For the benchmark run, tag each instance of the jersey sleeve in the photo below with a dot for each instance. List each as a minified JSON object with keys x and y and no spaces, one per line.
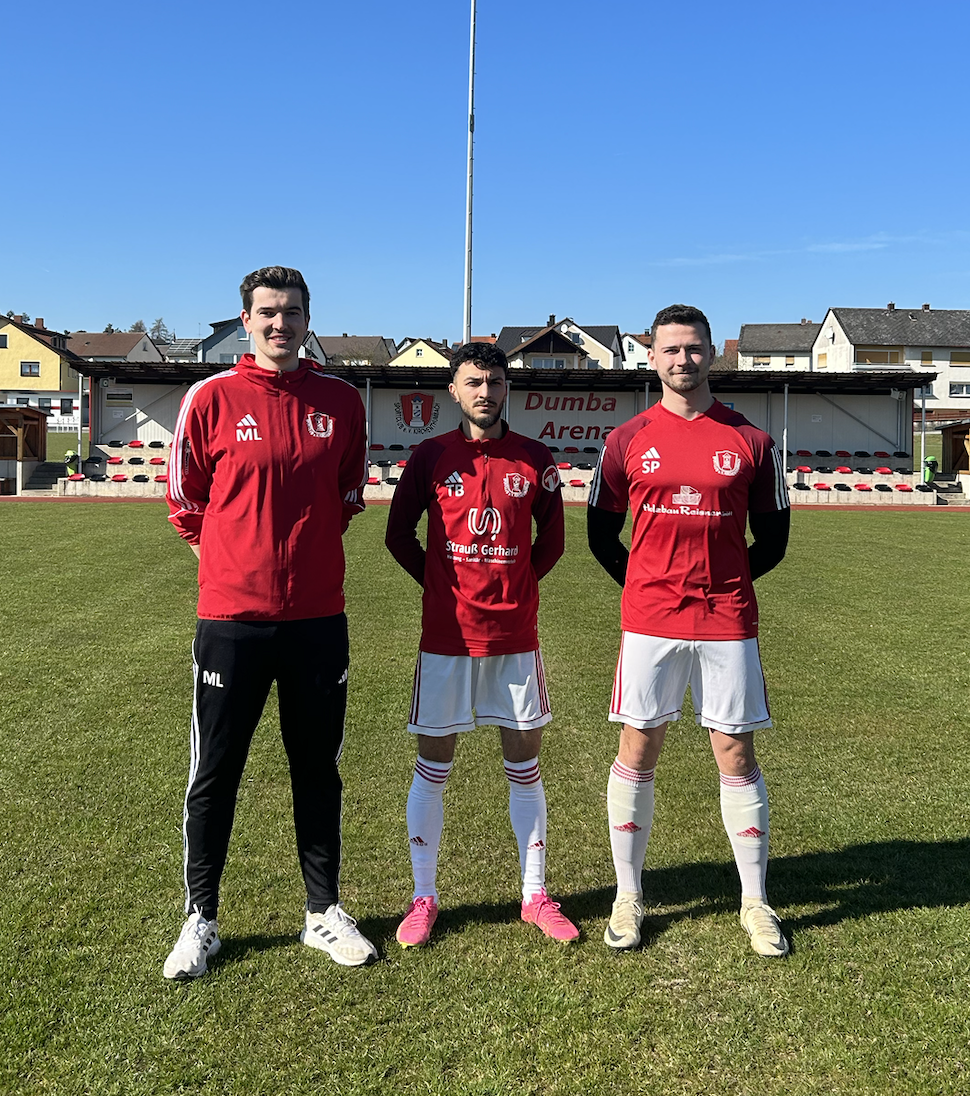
{"x":353,"y":465}
{"x":412,"y":496}
{"x":609,"y":489}
{"x":547,"y":510}
{"x":769,"y":490}
{"x":190,"y":469}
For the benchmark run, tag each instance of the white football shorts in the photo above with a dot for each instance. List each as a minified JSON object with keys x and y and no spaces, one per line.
{"x":459,"y":693}
{"x":726,"y":681}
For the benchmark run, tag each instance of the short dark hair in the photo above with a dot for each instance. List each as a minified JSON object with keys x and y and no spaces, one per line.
{"x":685,"y":314}
{"x":484,"y":355}
{"x":274,"y":277}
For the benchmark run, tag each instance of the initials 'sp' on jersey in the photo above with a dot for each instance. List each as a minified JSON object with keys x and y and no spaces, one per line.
{"x":690,"y":484}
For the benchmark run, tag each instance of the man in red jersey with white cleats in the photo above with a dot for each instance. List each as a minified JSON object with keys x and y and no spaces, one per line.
{"x":694,"y":474}
{"x":479,"y":663}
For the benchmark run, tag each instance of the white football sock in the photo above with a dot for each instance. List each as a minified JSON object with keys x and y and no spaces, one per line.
{"x":629,"y":805}
{"x":426,"y":819}
{"x":527,"y":811}
{"x":744,"y":810}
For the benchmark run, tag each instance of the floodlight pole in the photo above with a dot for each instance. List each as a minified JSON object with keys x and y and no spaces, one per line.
{"x":467,"y":318}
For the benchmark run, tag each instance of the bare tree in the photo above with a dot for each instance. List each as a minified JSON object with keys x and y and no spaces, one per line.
{"x":138,"y":326}
{"x":159,"y":332}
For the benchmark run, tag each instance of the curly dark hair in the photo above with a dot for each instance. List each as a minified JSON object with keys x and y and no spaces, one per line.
{"x":274,"y":277}
{"x":484,"y":355}
{"x":685,"y":314}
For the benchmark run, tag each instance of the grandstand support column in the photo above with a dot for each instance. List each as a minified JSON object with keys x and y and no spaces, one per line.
{"x":784,"y":433}
{"x":80,"y":416}
{"x":367,"y":414}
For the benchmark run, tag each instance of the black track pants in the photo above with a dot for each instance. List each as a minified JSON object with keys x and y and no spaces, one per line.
{"x":235,"y":663}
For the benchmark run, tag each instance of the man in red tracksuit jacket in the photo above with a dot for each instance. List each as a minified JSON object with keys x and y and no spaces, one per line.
{"x":268,"y":462}
{"x":479,"y":660}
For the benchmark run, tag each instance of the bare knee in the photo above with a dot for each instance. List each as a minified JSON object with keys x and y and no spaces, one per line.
{"x":734,"y":753}
{"x":640,"y":747}
{"x":433,"y":748}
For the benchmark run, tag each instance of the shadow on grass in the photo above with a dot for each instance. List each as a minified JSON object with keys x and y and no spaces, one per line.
{"x":848,"y":884}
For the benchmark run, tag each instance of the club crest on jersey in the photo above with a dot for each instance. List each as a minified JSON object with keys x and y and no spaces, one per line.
{"x":686,"y":496}
{"x":484,"y":522}
{"x":727,"y":463}
{"x":551,"y":479}
{"x":516,"y":485}
{"x":416,"y":413}
{"x":319,"y":424}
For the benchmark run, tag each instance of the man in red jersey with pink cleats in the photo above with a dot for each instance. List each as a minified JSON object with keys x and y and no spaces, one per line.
{"x":268,"y":461}
{"x":695,"y":474}
{"x":479,"y":662}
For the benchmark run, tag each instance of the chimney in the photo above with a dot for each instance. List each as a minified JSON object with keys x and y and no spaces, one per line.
{"x":344,"y":336}
{"x":39,"y":323}
{"x":926,"y":308}
{"x":552,"y":318}
{"x":804,"y":321}
{"x":18,"y":319}
{"x":891,"y":307}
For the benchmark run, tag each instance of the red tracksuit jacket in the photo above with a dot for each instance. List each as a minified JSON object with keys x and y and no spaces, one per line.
{"x":481,"y":570}
{"x":267,"y":469}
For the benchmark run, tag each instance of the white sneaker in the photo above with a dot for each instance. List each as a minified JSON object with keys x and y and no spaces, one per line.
{"x":763,"y":925}
{"x":336,"y":933}
{"x":623,"y":931}
{"x":197,"y":942}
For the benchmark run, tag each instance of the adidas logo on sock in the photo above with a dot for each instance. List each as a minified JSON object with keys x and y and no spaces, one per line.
{"x":751,"y":831}
{"x":540,"y":844}
{"x":628,"y":827}
{"x":416,"y":840}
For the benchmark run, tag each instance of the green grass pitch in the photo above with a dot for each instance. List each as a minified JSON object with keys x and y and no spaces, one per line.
{"x":864,"y":637}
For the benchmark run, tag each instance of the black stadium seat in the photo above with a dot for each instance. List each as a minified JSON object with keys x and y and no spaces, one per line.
{"x":156,"y":445}
{"x":590,"y":449}
{"x":842,"y":487}
{"x":384,"y":464}
{"x":98,"y":477}
{"x":900,"y":453}
{"x":585,"y":466}
{"x":883,"y":487}
{"x":393,"y":479}
{"x":822,"y":453}
{"x":140,"y":479}
{"x":801,"y":487}
{"x":923,"y":487}
{"x":825,"y":470}
{"x":396,"y":445}
{"x":862,"y":453}
{"x":136,"y":460}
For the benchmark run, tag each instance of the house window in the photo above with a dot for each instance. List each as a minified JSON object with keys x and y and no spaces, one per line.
{"x":762,"y":361}
{"x":23,"y":401}
{"x":30,"y":369}
{"x":419,"y":353}
{"x":789,"y":359}
{"x":243,"y":335}
{"x":823,"y":361}
{"x":926,"y":390}
{"x":960,"y":357}
{"x":548,"y":363}
{"x":67,"y":407}
{"x":874,"y":355}
{"x":592,"y":363}
{"x":44,"y":403}
{"x":926,"y":357}
{"x":228,"y":359}
{"x":629,"y":347}
{"x":3,"y":342}
{"x":960,"y":389}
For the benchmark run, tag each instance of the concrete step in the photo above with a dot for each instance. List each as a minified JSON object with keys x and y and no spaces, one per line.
{"x":45,"y":476}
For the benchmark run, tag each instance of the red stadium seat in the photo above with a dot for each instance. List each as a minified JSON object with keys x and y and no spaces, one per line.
{"x":373,"y":480}
{"x":377,"y":445}
{"x":577,"y":483}
{"x":884,"y":471}
{"x":161,"y":479}
{"x":842,"y":453}
{"x":402,"y":464}
{"x":570,"y":448}
{"x":116,"y":460}
{"x":862,"y":487}
{"x":136,"y":444}
{"x":76,"y":476}
{"x":821,"y":487}
{"x":844,"y":470}
{"x":881,"y":453}
{"x":804,"y":453}
{"x":157,"y":460}
{"x":564,"y":466}
{"x":803,"y":468}
{"x":119,"y":479}
{"x":903,"y":487}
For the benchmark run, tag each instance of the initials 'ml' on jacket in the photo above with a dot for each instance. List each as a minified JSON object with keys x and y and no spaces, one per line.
{"x":266,"y":472}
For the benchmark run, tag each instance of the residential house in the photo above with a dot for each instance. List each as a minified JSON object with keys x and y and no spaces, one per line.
{"x":548,"y":347}
{"x":937,"y":340}
{"x":635,"y":347}
{"x":357,"y":349}
{"x":38,"y":370}
{"x":227,"y":343}
{"x":116,"y":346}
{"x":422,"y":352}
{"x":183,"y":350}
{"x":776,"y":346}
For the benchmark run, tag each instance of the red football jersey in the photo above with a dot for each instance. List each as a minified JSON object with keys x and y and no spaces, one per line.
{"x":690,"y":484}
{"x":481,"y":569}
{"x":266,"y":472}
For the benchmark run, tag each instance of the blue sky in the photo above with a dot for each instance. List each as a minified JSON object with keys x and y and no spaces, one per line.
{"x":762,"y":161}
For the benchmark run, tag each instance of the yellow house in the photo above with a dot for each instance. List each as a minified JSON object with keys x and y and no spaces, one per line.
{"x":422,"y":352}
{"x":36,"y":368}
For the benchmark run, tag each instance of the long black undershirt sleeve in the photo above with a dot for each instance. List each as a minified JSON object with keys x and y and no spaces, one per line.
{"x":603,"y":528}
{"x":770,"y":540}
